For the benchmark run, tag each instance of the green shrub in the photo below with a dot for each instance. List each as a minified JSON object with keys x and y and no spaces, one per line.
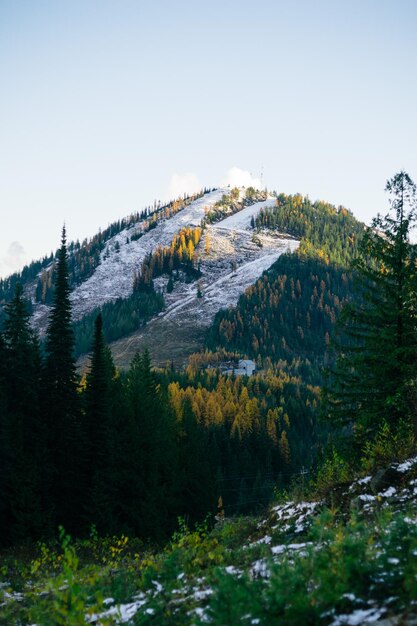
{"x":389,"y":445}
{"x":333,"y":471}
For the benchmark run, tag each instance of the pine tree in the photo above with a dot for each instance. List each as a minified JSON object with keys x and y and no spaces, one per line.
{"x":23,"y":430}
{"x":378,"y":339}
{"x":148,"y":466}
{"x":61,"y":401}
{"x":5,"y":517}
{"x":197,"y":489}
{"x":100,"y":435}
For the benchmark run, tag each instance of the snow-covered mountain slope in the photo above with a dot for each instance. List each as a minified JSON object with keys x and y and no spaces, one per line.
{"x":231,"y":256}
{"x":241,"y":222}
{"x":113,"y":278}
{"x":237,"y":257}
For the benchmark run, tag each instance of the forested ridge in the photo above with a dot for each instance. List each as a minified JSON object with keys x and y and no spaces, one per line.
{"x":291,"y":311}
{"x":326,"y":232}
{"x":179,"y":261}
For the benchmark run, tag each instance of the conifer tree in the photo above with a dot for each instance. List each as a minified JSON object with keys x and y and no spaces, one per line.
{"x":198,"y":493}
{"x":100,"y":433}
{"x":23,"y":432}
{"x":377,"y":348}
{"x":61,"y":402}
{"x":4,"y":500}
{"x":149,"y":460}
{"x":98,"y":390}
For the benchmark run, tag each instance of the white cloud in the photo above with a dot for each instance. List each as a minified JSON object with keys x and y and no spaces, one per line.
{"x":237,"y":177}
{"x":181,"y":184}
{"x":14,"y":259}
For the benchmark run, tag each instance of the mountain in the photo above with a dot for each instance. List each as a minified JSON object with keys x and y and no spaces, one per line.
{"x":241,"y":238}
{"x":206,"y":281}
{"x":255,"y":284}
{"x":230,"y":259}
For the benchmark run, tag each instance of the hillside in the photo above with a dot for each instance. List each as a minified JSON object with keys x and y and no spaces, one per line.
{"x":229,"y":258}
{"x":244,"y":235}
{"x":344,"y":558}
{"x":232,"y":264}
{"x":121,"y":257}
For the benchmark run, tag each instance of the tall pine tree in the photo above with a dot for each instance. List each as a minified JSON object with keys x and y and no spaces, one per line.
{"x":100,"y":430}
{"x":4,"y":500}
{"x":23,"y":428}
{"x":149,"y":464}
{"x":377,"y":349}
{"x":61,"y":402}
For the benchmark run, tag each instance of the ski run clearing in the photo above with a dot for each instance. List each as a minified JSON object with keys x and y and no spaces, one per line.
{"x":234,"y":259}
{"x":237,"y":257}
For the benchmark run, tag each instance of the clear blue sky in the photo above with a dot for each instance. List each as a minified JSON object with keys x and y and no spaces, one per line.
{"x":102,"y":102}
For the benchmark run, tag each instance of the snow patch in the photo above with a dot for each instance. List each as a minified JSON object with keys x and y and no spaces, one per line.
{"x":358,"y":617}
{"x":406,"y":465}
{"x":122,"y":612}
{"x":388,"y":492}
{"x":294,"y":547}
{"x":241,"y":221}
{"x":366,"y":497}
{"x":297,"y":514}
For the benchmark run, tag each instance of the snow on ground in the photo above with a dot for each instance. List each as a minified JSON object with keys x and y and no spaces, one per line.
{"x":122,"y":612}
{"x":113,"y":278}
{"x":407,"y":465}
{"x":359,"y":617}
{"x":293,"y":514}
{"x":235,"y":260}
{"x":237,"y":257}
{"x":242,"y":221}
{"x":361,"y":481}
{"x":195,"y":592}
{"x":261,"y":568}
{"x":225,"y":291}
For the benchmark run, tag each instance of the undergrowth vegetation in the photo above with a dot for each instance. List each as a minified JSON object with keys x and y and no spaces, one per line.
{"x":222,"y":575}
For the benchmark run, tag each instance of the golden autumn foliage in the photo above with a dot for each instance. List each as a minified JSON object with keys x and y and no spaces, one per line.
{"x":242,"y":406}
{"x":180,"y":253}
